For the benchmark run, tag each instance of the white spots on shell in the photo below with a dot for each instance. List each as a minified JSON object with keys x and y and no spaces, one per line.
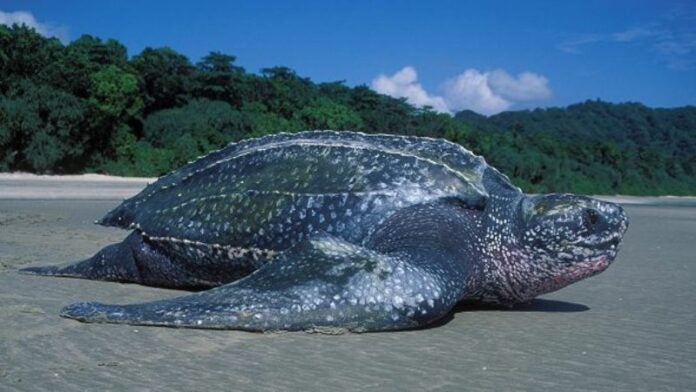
{"x":369,"y":177}
{"x":398,"y":301}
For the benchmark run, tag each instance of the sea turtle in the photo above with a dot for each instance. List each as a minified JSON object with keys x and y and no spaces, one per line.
{"x":326,"y":230}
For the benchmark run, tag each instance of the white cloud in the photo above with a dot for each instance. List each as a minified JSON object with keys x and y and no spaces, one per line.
{"x":573,"y":46}
{"x":527,"y":86}
{"x":26,"y":18}
{"x":671,"y":38}
{"x":404,"y":84}
{"x":632,"y":34}
{"x":487,"y":92}
{"x":472,"y":90}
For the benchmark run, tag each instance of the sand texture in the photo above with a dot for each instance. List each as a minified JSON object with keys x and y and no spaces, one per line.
{"x":632,"y":328}
{"x":79,"y":187}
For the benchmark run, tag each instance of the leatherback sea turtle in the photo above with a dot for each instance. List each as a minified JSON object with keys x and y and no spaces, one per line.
{"x":342,"y":230}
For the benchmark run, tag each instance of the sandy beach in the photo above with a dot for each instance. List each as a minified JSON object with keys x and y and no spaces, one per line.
{"x":629,"y":329}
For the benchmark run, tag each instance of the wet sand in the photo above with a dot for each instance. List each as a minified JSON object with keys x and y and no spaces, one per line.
{"x":631,"y":328}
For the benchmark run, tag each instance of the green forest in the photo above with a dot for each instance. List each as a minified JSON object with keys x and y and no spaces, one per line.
{"x":89,"y":107}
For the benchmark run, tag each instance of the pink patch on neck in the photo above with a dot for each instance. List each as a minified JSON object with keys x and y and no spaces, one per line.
{"x":582,"y":270}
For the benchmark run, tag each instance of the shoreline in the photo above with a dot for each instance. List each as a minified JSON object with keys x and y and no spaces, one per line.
{"x":88,"y":177}
{"x":91,"y":186}
{"x":25,"y":186}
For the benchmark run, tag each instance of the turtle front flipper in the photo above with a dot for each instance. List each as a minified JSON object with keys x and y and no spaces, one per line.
{"x":324,"y":284}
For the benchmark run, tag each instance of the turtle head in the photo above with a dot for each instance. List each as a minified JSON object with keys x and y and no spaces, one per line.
{"x":566,"y":238}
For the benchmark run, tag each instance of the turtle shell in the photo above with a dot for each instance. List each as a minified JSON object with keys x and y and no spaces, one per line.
{"x":271,"y":192}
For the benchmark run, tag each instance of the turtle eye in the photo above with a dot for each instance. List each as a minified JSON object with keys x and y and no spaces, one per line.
{"x":590,"y":218}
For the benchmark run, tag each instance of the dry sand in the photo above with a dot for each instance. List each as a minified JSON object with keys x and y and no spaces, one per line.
{"x":85,"y":186}
{"x":631,"y":328}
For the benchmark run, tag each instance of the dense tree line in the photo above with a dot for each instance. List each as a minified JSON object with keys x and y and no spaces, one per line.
{"x":88,"y":107}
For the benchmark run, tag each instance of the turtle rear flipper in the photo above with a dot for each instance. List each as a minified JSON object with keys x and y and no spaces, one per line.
{"x":133,"y":260}
{"x":114,"y":262}
{"x":323,"y":284}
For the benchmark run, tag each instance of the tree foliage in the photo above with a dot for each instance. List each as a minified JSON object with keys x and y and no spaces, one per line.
{"x":41,"y":129}
{"x":86,"y":106}
{"x":165,"y":78}
{"x":115,"y":93}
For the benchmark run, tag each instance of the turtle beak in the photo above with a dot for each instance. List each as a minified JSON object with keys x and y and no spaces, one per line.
{"x":622,"y":222}
{"x":611,"y":226}
{"x":615,"y":216}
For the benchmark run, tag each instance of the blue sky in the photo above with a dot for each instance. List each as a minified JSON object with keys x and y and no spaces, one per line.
{"x":487,"y":56}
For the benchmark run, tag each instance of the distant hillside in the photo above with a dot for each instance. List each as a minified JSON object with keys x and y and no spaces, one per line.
{"x":597,"y":146}
{"x":627,"y":124}
{"x":88,"y":107}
